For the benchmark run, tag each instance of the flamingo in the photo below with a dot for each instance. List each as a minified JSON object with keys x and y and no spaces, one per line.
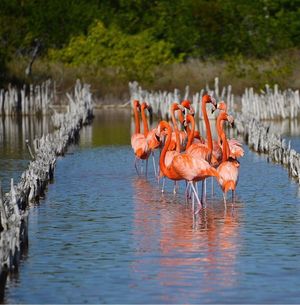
{"x":236,"y":149}
{"x":152,"y":140}
{"x":177,"y":137}
{"x":205,"y":151}
{"x":184,"y":166}
{"x":173,"y":148}
{"x":138,"y":140}
{"x":182,"y":135}
{"x":184,"y":121}
{"x":228,"y":170}
{"x":199,"y":150}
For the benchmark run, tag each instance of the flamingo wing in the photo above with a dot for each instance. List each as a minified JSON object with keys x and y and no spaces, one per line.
{"x":169,"y":157}
{"x":236,"y":148}
{"x":228,"y":174}
{"x":192,"y":168}
{"x":152,"y":140}
{"x":198,"y":151}
{"x":140,"y":146}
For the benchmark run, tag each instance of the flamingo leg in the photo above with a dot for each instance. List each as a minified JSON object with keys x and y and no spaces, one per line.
{"x":212,"y":187}
{"x":196,"y":195}
{"x":224,"y":198}
{"x":163,"y":184}
{"x":193,"y":203}
{"x":233,"y":197}
{"x":154,"y":166}
{"x":204,"y":199}
{"x":186,"y":193}
{"x":135,"y":165}
{"x":203,"y":192}
{"x":146,"y":167}
{"x":175,"y":187}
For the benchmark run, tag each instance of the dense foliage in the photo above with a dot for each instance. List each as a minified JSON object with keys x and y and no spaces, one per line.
{"x":129,"y":34}
{"x":133,"y":56}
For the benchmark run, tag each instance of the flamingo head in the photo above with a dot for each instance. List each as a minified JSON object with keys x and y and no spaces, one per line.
{"x":209,"y":99}
{"x":136,"y":104}
{"x":163,"y":128}
{"x":224,"y":116}
{"x":188,"y":118}
{"x":144,"y":106}
{"x":230,"y":119}
{"x":187,"y":104}
{"x":150,"y":110}
{"x":222,"y":106}
{"x":175,"y":106}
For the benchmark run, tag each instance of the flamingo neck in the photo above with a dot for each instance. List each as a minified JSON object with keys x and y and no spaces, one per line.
{"x":222,"y":135}
{"x":219,"y":127}
{"x":137,"y":121}
{"x":162,"y":165}
{"x":145,"y":123}
{"x":225,"y":150}
{"x":191,"y":132}
{"x":175,"y":107}
{"x":207,"y":126}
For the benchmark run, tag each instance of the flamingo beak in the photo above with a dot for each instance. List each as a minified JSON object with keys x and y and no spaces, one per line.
{"x":181,"y":108}
{"x":150,"y":110}
{"x":184,"y":123}
{"x":231,"y":120}
{"x":214,"y":102}
{"x":192,"y":110}
{"x":214,"y":108}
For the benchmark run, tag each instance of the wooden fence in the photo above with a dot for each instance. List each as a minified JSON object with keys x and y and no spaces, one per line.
{"x":161,"y":100}
{"x":30,"y":100}
{"x":270,"y":104}
{"x":14,"y":204}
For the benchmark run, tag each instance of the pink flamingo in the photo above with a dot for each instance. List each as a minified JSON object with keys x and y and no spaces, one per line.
{"x":152,"y":140}
{"x":228,"y":170}
{"x":199,"y":150}
{"x":173,"y":148}
{"x":184,"y":166}
{"x":138,"y":140}
{"x":205,"y":151}
{"x":236,"y":147}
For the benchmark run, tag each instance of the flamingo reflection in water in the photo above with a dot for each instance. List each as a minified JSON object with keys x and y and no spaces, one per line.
{"x":196,"y":254}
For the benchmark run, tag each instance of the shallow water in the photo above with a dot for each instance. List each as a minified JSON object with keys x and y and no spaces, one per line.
{"x":14,"y":155}
{"x":105,"y":235}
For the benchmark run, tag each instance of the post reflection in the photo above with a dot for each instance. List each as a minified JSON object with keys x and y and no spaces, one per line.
{"x":14,"y":154}
{"x":185,"y":255}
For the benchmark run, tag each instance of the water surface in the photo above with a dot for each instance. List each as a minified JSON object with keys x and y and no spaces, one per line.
{"x":105,"y":235}
{"x":14,"y":155}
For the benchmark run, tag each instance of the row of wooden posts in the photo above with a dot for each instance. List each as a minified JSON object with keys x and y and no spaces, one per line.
{"x":259,"y":138}
{"x":162,"y":100}
{"x":44,"y":152}
{"x":248,"y":123}
{"x":29,"y":100}
{"x":271,"y":103}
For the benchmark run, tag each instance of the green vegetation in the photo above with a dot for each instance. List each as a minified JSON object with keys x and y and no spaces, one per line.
{"x":114,"y":41}
{"x":133,"y":56}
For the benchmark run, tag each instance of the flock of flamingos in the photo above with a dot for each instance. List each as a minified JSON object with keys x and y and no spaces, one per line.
{"x":184,"y":154}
